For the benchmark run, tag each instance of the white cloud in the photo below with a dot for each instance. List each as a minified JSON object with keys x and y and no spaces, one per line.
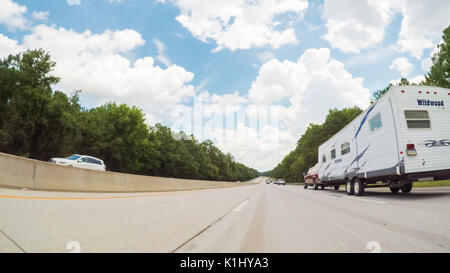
{"x":426,"y":63}
{"x":422,"y":25}
{"x":354,"y":25}
{"x":416,"y":80}
{"x":95,"y":64}
{"x":162,"y":57}
{"x":306,"y":89}
{"x":40,"y":15}
{"x":9,"y":46}
{"x":12,"y":14}
{"x":239,"y":24}
{"x":403,"y":66}
{"x":73,"y":2}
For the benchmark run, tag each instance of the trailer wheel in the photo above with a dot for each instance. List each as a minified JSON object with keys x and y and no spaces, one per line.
{"x":394,"y":190}
{"x":349,"y":187}
{"x":322,"y":187}
{"x":358,"y":187}
{"x":315,"y":185}
{"x":336,"y":187}
{"x":407,"y":188}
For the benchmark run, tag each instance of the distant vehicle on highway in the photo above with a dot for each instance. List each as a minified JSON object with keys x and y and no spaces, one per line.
{"x":401,"y":138}
{"x":281,"y":182}
{"x":80,"y":161}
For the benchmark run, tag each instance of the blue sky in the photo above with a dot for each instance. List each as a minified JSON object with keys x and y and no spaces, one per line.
{"x":304,"y":56}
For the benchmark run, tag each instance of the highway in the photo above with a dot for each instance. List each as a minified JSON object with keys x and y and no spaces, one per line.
{"x":253,"y":218}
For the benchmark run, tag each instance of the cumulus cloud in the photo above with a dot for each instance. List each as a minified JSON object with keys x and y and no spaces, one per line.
{"x":268,"y":119}
{"x":298,"y":92}
{"x":422,"y":25}
{"x":12,"y":14}
{"x":414,"y":80}
{"x":94,"y":63}
{"x":354,"y":25}
{"x":238,"y":24}
{"x":40,"y":15}
{"x":9,"y":46}
{"x":403,"y":66}
{"x":73,"y":2}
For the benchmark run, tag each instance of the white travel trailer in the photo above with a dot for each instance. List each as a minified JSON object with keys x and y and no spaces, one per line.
{"x":401,"y":138}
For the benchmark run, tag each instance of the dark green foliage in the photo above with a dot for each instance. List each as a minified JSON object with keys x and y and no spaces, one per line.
{"x":305,"y":154}
{"x":439,"y":74}
{"x":40,"y":123}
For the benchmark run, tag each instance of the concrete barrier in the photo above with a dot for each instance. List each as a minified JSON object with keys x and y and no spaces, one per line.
{"x":19,"y":172}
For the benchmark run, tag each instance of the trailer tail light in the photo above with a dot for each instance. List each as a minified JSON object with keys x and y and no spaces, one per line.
{"x":411,"y":149}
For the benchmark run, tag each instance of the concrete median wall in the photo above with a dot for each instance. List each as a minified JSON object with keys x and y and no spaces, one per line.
{"x":18,"y":172}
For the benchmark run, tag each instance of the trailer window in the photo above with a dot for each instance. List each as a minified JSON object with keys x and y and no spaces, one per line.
{"x":375,"y":122}
{"x":417,"y":119}
{"x":345,"y":148}
{"x":333,"y":154}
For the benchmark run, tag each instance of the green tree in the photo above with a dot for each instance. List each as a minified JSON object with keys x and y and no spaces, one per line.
{"x":116,"y":133}
{"x":40,"y":123}
{"x":25,"y":99}
{"x":305,"y":154}
{"x":439,"y":74}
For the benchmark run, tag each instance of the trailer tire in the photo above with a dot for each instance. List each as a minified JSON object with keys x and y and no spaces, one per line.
{"x":322,"y":187}
{"x":349,"y":187}
{"x":393,"y":189}
{"x":407,"y":188}
{"x":358,"y":187}
{"x":336,"y":187}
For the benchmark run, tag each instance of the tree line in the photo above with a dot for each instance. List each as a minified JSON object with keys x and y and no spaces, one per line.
{"x":305,"y":154}
{"x":40,"y":123}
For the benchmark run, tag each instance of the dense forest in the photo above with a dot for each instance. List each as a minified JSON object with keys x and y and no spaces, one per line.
{"x":304,"y":156}
{"x":38,"y":122}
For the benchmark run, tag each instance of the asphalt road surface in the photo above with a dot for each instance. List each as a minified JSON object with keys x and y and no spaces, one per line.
{"x":254,"y":218}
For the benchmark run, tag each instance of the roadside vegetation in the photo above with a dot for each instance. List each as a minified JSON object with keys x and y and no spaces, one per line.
{"x":40,"y":123}
{"x":428,"y":184}
{"x":304,"y":156}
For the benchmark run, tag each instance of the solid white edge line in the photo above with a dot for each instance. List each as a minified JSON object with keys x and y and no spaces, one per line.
{"x":365,"y":200}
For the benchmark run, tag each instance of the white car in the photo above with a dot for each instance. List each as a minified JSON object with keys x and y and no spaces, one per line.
{"x":81,"y":161}
{"x":281,"y":182}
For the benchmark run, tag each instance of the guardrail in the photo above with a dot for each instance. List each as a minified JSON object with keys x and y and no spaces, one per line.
{"x":19,"y":172}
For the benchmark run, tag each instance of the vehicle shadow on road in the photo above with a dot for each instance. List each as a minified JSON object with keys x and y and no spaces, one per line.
{"x":397,"y":196}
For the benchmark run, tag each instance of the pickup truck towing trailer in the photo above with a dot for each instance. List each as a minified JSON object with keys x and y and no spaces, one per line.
{"x":401,"y":138}
{"x":312,"y":179}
